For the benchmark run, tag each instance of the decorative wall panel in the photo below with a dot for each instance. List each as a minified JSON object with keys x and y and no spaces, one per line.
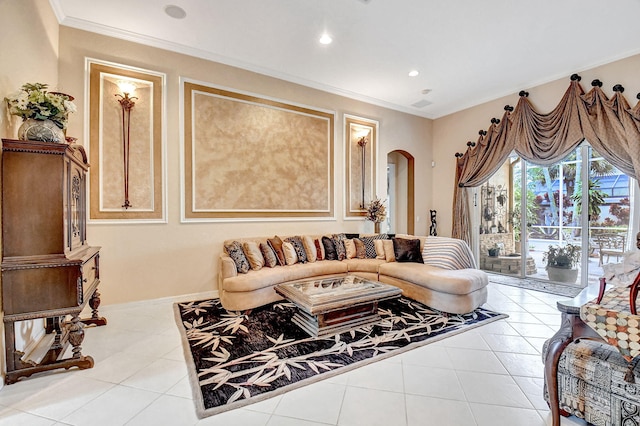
{"x":361,"y":146}
{"x":248,"y":157}
{"x":108,"y":154}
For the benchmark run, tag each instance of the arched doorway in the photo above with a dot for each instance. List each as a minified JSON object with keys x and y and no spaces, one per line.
{"x":400,"y":192}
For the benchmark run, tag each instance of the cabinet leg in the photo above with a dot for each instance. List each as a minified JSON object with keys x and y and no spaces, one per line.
{"x":96,"y":319}
{"x":76,"y":336}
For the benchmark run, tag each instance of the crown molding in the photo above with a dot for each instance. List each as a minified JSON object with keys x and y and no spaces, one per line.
{"x":210,"y":56}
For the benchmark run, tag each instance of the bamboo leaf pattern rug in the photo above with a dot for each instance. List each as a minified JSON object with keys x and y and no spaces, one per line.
{"x":236,"y":359}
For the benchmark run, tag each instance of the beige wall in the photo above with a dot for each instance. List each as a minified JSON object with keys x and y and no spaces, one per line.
{"x":451,"y":133}
{"x":29,"y":46}
{"x":157,"y":260}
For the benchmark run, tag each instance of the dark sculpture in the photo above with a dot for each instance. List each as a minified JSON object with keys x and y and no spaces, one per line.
{"x":432,"y":230}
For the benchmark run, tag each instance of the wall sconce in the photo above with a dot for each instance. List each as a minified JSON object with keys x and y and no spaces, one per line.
{"x":362,"y":143}
{"x":126,"y":104}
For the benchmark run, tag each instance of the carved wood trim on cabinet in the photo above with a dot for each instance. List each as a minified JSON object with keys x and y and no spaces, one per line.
{"x":48,"y":269}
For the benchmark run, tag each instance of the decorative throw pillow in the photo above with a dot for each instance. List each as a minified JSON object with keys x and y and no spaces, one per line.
{"x":338,"y":242}
{"x":407,"y":250}
{"x":309,"y":248}
{"x":276,"y":245}
{"x":350,"y":248}
{"x":361,"y":251}
{"x":290,"y":254}
{"x":234,"y":250}
{"x":296,"y":242}
{"x":389,"y":253}
{"x":380,"y":249}
{"x":319,"y":249}
{"x":329,"y":249}
{"x":254,"y":256}
{"x":447,"y":253}
{"x":270,"y":259}
{"x":370,"y":247}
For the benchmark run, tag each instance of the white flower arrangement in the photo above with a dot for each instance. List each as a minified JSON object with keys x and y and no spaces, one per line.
{"x":33,"y":101}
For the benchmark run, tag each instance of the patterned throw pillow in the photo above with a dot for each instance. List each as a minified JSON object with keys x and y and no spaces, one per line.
{"x":329,"y":249}
{"x":319,"y":249}
{"x":407,"y":250}
{"x":276,"y":245}
{"x":270,"y":259}
{"x":309,"y":248}
{"x":254,"y":256}
{"x":370,"y":246}
{"x":298,"y":246}
{"x":234,"y":250}
{"x":361,"y":250}
{"x":338,"y":242}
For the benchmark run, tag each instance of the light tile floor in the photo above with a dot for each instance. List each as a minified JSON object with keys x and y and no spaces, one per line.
{"x":488,"y":376}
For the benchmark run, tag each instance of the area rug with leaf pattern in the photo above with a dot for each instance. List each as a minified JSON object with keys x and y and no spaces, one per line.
{"x":235,"y":359}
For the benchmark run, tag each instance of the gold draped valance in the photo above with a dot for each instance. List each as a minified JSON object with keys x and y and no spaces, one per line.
{"x":611,"y":126}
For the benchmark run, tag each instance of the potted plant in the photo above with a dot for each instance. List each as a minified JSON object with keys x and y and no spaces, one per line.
{"x":562,"y":262}
{"x":494,"y":251}
{"x":44,"y":113}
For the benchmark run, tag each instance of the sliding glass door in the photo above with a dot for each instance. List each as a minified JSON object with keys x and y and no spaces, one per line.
{"x":559,"y":222}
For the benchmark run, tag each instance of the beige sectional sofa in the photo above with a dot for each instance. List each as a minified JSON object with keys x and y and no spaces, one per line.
{"x":448,"y":280}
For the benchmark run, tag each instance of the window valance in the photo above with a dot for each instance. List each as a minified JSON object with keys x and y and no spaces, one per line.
{"x":611,"y":126}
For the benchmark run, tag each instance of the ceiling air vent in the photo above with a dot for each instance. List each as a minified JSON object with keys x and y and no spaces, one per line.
{"x":421,"y":104}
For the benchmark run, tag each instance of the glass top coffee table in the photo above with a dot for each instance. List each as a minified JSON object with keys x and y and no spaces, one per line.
{"x":333,"y":305}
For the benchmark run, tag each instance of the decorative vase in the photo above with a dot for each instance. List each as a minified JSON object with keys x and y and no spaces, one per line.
{"x":376,"y":227}
{"x":40,"y":130}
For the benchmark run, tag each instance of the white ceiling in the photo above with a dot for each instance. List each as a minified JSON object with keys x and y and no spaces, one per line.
{"x":467,"y":51}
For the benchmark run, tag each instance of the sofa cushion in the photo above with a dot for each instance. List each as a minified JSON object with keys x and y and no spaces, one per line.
{"x":309,"y":248}
{"x":235,"y":252}
{"x":254,"y":255}
{"x":379,"y":245}
{"x":290,"y":255}
{"x":329,"y":249}
{"x":270,"y":259}
{"x":319,"y":249}
{"x":406,"y":250}
{"x":389,"y":253}
{"x":350,"y":248}
{"x":447,"y":253}
{"x":298,"y":246}
{"x":369,"y":243}
{"x":276,"y":245}
{"x":361,"y":250}
{"x":364,"y":265}
{"x":268,"y":277}
{"x":462,"y":281}
{"x":338,"y":242}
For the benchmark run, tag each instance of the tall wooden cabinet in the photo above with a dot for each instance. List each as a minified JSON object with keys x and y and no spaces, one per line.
{"x":48,"y":269}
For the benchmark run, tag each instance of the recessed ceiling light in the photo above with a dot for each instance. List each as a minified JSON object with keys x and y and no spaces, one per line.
{"x":326,"y":39}
{"x":175,"y":11}
{"x":425,"y":91}
{"x":413,"y":73}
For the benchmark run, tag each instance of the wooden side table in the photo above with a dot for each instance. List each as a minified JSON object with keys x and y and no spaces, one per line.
{"x":572,"y":328}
